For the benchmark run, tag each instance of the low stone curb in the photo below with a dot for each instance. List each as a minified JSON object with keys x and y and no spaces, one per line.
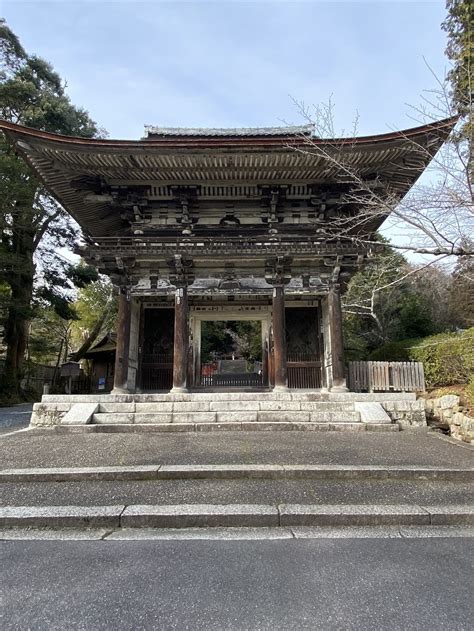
{"x":61,"y":516}
{"x":238,"y":471}
{"x":229,"y":426}
{"x":232,"y":515}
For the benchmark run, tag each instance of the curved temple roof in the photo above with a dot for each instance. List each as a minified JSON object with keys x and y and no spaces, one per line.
{"x":226,"y":158}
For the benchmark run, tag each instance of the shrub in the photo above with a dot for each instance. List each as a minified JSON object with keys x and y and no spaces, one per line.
{"x":448,"y":358}
{"x":470,"y":392}
{"x":393,"y":351}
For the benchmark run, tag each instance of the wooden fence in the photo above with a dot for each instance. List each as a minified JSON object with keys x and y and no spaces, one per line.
{"x":386,"y":377}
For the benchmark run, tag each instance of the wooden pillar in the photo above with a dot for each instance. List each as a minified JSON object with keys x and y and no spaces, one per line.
{"x":123,"y":342}
{"x":338,"y":376}
{"x":279,"y":337}
{"x":180,"y":355}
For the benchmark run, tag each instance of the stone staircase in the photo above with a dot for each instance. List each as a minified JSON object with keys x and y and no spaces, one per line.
{"x":228,"y":408}
{"x":247,"y":411}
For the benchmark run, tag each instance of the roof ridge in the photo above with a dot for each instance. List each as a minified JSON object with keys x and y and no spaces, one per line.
{"x":287,"y":130}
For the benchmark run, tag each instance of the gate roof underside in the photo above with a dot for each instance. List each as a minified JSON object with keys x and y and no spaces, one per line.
{"x":108,"y":186}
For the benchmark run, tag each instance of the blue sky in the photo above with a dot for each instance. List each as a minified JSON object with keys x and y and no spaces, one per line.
{"x":227,"y":63}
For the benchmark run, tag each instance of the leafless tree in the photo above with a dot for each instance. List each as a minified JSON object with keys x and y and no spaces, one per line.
{"x":435,"y":218}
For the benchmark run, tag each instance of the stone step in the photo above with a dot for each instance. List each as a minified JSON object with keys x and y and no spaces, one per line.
{"x":242,"y":416}
{"x":233,"y":515}
{"x":226,"y":425}
{"x":288,"y":395}
{"x":226,"y":406}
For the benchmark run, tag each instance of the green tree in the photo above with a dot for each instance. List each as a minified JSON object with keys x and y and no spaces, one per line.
{"x":459,"y":26}
{"x":32,"y":224}
{"x":382,"y":304}
{"x":96,"y":308}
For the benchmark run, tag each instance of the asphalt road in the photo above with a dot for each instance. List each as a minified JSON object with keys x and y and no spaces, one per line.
{"x":29,"y":449}
{"x":235,"y":492}
{"x":362,"y":584}
{"x":15,"y":417}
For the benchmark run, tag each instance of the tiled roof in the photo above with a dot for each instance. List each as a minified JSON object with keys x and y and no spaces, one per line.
{"x":294,"y":130}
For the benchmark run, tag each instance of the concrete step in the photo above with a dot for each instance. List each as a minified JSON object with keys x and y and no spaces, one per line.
{"x":326,"y":473}
{"x":113,"y":426}
{"x":233,"y":515}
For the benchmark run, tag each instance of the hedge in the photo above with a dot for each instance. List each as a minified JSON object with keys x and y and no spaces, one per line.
{"x":448,"y":358}
{"x":393,"y":351}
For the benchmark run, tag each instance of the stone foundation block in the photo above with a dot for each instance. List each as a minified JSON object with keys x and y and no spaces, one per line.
{"x":191,"y":406}
{"x":234,"y":406}
{"x":102,"y":419}
{"x":327,"y":406}
{"x":152,"y":408}
{"x":345,"y":417}
{"x":321,"y":416}
{"x":155,"y":417}
{"x":287,"y":406}
{"x":48,"y":414}
{"x":194,"y":417}
{"x":283,"y":417}
{"x":111,"y":408}
{"x":237,"y":417}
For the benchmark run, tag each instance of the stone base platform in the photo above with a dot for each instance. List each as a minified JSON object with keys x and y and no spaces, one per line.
{"x":204,"y":411}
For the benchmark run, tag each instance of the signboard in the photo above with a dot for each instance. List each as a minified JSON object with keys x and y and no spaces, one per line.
{"x":70,"y":369}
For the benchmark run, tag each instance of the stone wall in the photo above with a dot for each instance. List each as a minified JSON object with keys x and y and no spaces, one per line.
{"x":447,"y":410}
{"x":406,"y":413}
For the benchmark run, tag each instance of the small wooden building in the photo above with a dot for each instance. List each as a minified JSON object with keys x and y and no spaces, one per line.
{"x":224,"y":224}
{"x":102,"y":360}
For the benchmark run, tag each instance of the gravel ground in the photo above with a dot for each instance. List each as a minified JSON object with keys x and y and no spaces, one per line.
{"x":27,"y":449}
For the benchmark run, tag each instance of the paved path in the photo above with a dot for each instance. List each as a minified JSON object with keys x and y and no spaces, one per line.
{"x":350,"y":584}
{"x":235,"y":492}
{"x":27,"y":449}
{"x":15,"y":417}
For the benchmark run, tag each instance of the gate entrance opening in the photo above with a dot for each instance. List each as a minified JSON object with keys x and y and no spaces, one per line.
{"x":231,"y":353}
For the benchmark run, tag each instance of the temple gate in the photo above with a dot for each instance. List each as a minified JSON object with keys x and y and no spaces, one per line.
{"x":197,"y":225}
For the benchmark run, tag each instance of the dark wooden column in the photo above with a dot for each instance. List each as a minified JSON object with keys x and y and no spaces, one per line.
{"x":279,"y":337}
{"x":180,"y":354}
{"x":336,"y":339}
{"x":123,"y":342}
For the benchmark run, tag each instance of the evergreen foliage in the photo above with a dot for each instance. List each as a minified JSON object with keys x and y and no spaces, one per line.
{"x":448,"y":358}
{"x":459,"y":26}
{"x":32,"y":225}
